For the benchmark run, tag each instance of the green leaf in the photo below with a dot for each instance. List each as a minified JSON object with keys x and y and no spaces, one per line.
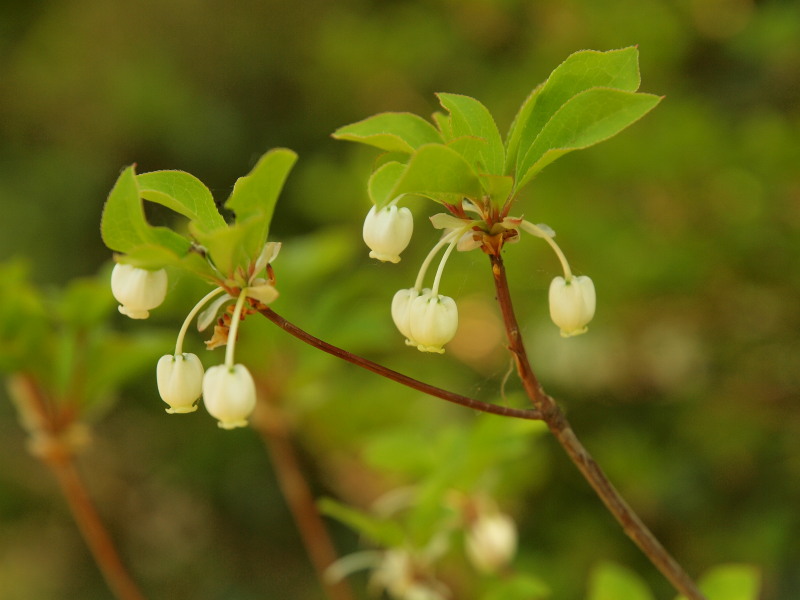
{"x":616,"y":69}
{"x":518,"y":587}
{"x":233,"y":246}
{"x":470,"y":118}
{"x":123,"y":225}
{"x":444,"y":124}
{"x":440,"y":173}
{"x":381,"y":531}
{"x":254,"y":197}
{"x":609,"y":581}
{"x":588,"y":118}
{"x":383,"y":181}
{"x":153,"y":257}
{"x":392,"y":131}
{"x":183,"y":193}
{"x":731,"y":582}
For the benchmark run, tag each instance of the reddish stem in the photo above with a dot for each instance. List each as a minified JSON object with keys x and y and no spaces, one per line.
{"x":591,"y":471}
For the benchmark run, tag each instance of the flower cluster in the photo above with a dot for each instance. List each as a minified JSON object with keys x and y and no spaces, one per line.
{"x":428,"y":319}
{"x":228,"y":390}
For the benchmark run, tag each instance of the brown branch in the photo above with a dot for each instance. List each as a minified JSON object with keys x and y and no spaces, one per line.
{"x":48,"y":432}
{"x":425,"y":388}
{"x":561,"y":429}
{"x":271,"y":424}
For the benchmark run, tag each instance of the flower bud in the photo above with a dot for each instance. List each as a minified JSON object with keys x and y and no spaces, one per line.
{"x":433,"y":321}
{"x":572,"y":304}
{"x":401,"y":312}
{"x":180,"y":381}
{"x":387,"y":232}
{"x":229,"y":395}
{"x":491,"y":541}
{"x":138,"y":290}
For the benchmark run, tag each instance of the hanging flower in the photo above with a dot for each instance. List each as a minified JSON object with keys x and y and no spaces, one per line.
{"x":433,"y":321}
{"x":138,"y":291}
{"x":401,"y":312}
{"x":491,"y":541}
{"x":229,"y":394}
{"x":572,"y":304}
{"x":180,"y":381}
{"x":387,"y":232}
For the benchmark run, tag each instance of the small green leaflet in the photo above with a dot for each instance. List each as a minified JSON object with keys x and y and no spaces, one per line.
{"x":610,"y":581}
{"x":470,"y":118}
{"x":183,"y":193}
{"x":394,"y":132}
{"x":124,"y":227}
{"x":254,"y":197}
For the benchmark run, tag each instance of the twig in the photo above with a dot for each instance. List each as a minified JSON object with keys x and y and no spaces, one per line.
{"x":47,"y":428}
{"x":276,"y":435}
{"x":561,"y":429}
{"x":291,"y":328}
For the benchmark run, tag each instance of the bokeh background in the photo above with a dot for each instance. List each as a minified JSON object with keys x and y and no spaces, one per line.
{"x":686,"y":387}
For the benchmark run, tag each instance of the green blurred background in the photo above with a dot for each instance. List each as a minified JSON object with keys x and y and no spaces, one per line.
{"x":685,"y":388}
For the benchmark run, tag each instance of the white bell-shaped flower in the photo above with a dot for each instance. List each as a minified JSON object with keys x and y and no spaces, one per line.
{"x":572,"y":304}
{"x":229,"y":394}
{"x":387,"y":232}
{"x":433,"y":321}
{"x":401,"y":312}
{"x":491,"y":541}
{"x":138,"y":290}
{"x":180,"y":381}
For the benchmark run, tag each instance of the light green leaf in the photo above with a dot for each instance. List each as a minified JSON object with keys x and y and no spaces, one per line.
{"x":444,"y":124}
{"x":392,"y":131}
{"x":150,"y":256}
{"x":588,"y":118}
{"x":254,"y":197}
{"x":609,"y":581}
{"x":183,"y":193}
{"x":731,"y":582}
{"x":383,"y":181}
{"x":498,"y":187}
{"x":232,"y":247}
{"x":381,"y":531}
{"x":616,"y":69}
{"x":519,"y":587}
{"x":440,"y":173}
{"x":470,"y":118}
{"x":123,"y":225}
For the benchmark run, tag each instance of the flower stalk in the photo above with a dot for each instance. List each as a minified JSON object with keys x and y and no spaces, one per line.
{"x":559,"y":426}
